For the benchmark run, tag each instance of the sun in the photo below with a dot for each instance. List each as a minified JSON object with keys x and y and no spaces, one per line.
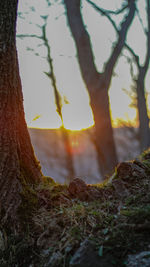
{"x":77,"y":117}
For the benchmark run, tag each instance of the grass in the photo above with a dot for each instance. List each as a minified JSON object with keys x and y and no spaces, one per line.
{"x":58,"y":223}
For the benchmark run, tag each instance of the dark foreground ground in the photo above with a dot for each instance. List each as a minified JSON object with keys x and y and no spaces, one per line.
{"x":84,"y":225}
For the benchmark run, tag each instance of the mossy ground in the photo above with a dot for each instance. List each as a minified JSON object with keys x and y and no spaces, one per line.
{"x":57,"y":222}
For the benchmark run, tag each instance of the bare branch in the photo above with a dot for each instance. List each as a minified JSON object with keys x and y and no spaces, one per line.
{"x":51,"y":75}
{"x":147,"y":59}
{"x":117,"y":12}
{"x":28,"y":35}
{"x":140,"y":19}
{"x":135,"y":56}
{"x":121,"y":41}
{"x":103,"y":12}
{"x":129,"y":60}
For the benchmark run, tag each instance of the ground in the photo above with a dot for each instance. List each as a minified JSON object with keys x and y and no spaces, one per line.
{"x":83,"y":225}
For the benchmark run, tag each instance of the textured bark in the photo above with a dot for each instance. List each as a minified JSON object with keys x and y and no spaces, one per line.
{"x":18,"y":165}
{"x":98,"y":83}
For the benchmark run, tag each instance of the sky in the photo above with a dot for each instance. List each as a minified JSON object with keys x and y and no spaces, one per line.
{"x":39,"y":104}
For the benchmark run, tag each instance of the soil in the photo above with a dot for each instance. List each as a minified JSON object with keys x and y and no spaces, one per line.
{"x":111,"y":218}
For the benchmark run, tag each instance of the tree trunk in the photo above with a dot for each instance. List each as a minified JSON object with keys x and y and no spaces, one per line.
{"x":140,"y":87}
{"x":142,"y":112}
{"x":103,"y":137}
{"x":58,"y":102}
{"x":18,"y":165}
{"x":69,"y":154}
{"x":98,"y":83}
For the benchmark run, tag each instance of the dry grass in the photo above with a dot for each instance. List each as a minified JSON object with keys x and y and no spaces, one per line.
{"x":117,"y":224}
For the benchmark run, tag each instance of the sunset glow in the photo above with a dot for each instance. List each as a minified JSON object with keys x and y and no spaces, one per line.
{"x":39,"y":102}
{"x":77,"y":117}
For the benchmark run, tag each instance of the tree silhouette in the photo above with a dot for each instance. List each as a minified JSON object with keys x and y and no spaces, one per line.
{"x":58,"y":99}
{"x":139,"y":85}
{"x":98,"y":83}
{"x":139,"y":78}
{"x":58,"y":102}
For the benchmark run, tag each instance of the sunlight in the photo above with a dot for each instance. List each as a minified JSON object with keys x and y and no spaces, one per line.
{"x":77,"y":117}
{"x":39,"y":103}
{"x":77,"y":145}
{"x":74,"y":143}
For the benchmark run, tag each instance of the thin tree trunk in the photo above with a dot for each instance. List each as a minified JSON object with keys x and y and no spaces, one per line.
{"x":142,"y":112}
{"x":18,"y":165}
{"x":98,"y":83}
{"x":140,"y":87}
{"x":69,"y":154}
{"x":58,"y":102}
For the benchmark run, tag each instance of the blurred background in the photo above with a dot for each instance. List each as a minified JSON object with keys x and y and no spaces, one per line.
{"x":69,"y":120}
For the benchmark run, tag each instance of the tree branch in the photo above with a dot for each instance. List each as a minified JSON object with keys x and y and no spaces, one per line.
{"x":117,"y":12}
{"x":51,"y":74}
{"x":146,"y":63}
{"x":121,"y":41}
{"x":135,"y":56}
{"x":103,"y":12}
{"x":28,"y":35}
{"x":140,"y":19}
